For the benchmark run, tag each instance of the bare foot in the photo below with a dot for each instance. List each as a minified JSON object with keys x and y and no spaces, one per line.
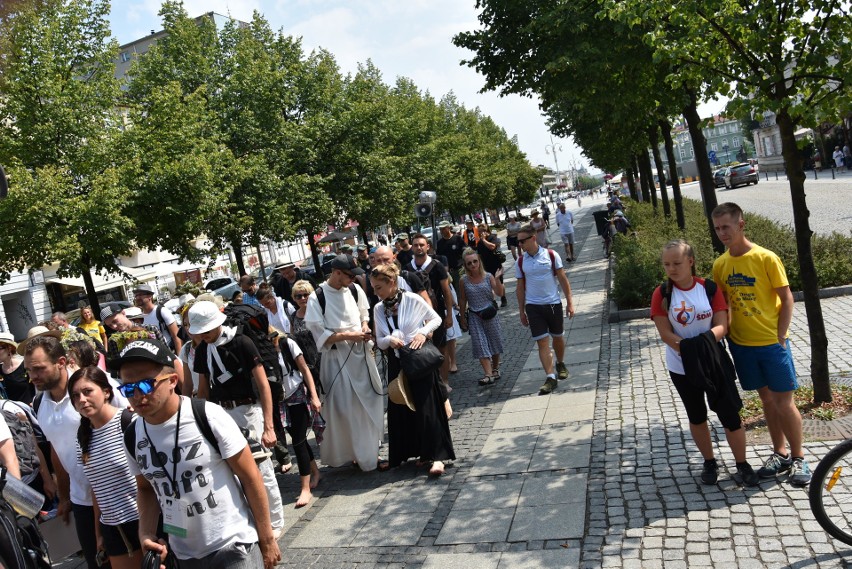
{"x":315,"y":478}
{"x":437,"y":468}
{"x":304,"y":499}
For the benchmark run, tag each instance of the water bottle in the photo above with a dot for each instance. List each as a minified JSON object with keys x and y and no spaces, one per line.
{"x":26,"y":501}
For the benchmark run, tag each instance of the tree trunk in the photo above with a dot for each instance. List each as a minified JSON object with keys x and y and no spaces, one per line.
{"x":237,"y":248}
{"x":643,"y":179}
{"x":654,"y":136}
{"x":807,"y":270}
{"x":645,"y":165}
{"x":705,"y":173}
{"x":315,"y":255}
{"x":89,"y":283}
{"x":260,"y":259}
{"x":666,"y":129}
{"x":631,"y":184}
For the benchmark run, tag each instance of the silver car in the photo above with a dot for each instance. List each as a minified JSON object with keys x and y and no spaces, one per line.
{"x":740,"y":175}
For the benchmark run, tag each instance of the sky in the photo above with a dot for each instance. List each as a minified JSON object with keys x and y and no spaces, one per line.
{"x":411,"y":38}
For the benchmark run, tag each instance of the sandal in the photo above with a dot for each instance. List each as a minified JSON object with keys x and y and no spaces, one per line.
{"x":495,"y":373}
{"x":382,"y":465}
{"x":487,"y":380}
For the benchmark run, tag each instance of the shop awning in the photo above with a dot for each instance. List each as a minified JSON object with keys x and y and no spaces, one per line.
{"x":100,"y":282}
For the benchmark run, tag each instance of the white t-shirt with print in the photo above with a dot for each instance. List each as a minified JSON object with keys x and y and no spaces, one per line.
{"x":691,"y":315}
{"x":295,"y":379}
{"x":217,"y":513}
{"x":151,"y":319}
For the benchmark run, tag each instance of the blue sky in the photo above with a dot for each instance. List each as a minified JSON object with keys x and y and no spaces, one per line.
{"x":409,"y":38}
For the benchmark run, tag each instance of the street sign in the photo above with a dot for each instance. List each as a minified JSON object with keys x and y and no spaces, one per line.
{"x":712,"y":155}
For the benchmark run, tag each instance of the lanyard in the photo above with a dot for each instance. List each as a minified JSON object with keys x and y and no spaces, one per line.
{"x":173,"y":477}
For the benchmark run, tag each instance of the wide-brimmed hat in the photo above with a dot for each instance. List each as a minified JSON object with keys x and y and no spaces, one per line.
{"x":399,"y":391}
{"x":204,"y":316}
{"x":35,"y":332}
{"x":6,"y":338}
{"x":284,"y":265}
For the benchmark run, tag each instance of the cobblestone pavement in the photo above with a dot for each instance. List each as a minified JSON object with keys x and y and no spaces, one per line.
{"x":601,"y":473}
{"x":827,"y":200}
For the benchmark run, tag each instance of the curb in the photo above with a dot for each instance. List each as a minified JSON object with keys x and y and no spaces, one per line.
{"x":616,"y":315}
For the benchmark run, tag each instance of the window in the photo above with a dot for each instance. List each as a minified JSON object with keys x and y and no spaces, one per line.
{"x":682,"y":153}
{"x":714,"y":147}
{"x":724,"y":142}
{"x":736,"y":142}
{"x":692,"y":152}
{"x":125,"y":56}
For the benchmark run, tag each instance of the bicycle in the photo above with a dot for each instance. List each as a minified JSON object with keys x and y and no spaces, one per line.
{"x":830,"y":492}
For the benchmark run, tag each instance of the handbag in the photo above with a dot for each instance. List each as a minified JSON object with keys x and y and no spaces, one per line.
{"x":420,"y":362}
{"x":501,"y":256}
{"x":488,"y":312}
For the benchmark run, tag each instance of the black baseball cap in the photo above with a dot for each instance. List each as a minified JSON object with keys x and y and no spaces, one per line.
{"x":346,"y":263}
{"x":144,"y":350}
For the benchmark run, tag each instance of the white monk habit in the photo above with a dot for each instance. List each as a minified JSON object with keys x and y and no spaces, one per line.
{"x":354,"y":399}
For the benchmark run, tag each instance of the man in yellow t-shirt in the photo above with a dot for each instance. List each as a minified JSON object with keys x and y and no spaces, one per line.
{"x":755,"y":285}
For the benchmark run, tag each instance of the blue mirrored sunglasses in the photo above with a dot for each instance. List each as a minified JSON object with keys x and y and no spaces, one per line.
{"x":145,"y":386}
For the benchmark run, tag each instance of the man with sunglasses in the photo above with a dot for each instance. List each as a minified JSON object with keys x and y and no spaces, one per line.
{"x":212,"y":501}
{"x":540,"y":275}
{"x":354,"y":397}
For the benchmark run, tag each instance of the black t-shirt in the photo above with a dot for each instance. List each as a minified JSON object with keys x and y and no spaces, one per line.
{"x":18,"y":386}
{"x":240,"y":357}
{"x":452,"y":249}
{"x":282,"y":287}
{"x":437,"y":274}
{"x":404,"y":258}
{"x":489,"y":258}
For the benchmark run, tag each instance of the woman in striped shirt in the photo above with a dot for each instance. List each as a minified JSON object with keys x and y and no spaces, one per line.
{"x":101,"y":451}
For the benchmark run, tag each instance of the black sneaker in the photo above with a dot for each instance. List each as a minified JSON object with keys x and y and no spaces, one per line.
{"x":548,"y":386}
{"x":747,"y":473}
{"x":503,"y":302}
{"x":710,"y":472}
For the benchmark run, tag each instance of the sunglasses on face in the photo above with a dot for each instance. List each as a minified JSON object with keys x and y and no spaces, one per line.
{"x":301,"y":296}
{"x":351,"y":276}
{"x":145,"y":386}
{"x":521,"y":240}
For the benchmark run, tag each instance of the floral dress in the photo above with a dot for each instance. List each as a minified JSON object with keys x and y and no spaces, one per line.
{"x":486,"y":335}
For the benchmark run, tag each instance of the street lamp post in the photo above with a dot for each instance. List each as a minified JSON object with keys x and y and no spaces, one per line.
{"x":553,"y":147}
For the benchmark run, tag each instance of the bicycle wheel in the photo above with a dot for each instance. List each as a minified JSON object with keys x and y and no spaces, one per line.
{"x":830,"y":492}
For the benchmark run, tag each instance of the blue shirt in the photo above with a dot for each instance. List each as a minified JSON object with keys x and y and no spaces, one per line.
{"x":249,"y":298}
{"x":540,"y":284}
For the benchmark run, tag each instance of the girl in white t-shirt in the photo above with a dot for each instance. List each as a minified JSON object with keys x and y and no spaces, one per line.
{"x":298,"y":409}
{"x":687,"y":314}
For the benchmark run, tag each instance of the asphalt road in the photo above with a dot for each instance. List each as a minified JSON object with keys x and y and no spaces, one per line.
{"x":829,"y":201}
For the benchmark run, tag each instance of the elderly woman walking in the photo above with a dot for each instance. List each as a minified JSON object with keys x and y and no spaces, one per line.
{"x":478,"y":290}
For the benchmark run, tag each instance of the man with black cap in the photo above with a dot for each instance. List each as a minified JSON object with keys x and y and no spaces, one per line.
{"x":338,"y":317}
{"x":286,"y":276}
{"x":201,"y":477}
{"x":451,"y":246}
{"x":363,"y":257}
{"x":231,"y":373}
{"x":159,"y":316}
{"x":404,"y":254}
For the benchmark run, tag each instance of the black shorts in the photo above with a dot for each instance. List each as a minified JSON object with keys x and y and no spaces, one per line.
{"x":512,"y":241}
{"x":696,"y":407}
{"x":545,"y":320}
{"x":439,"y":336}
{"x":121,"y":539}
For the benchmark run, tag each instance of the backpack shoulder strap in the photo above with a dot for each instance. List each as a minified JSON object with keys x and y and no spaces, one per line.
{"x":521,"y":264}
{"x":126,"y":418}
{"x":666,"y":292}
{"x":129,"y":433}
{"x":321,"y":298}
{"x":353,"y":288}
{"x":552,"y":261}
{"x":199,"y":412}
{"x":37,"y":402}
{"x":710,"y":288}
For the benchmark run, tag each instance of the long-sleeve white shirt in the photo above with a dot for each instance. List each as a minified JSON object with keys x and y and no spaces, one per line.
{"x":414,"y":317}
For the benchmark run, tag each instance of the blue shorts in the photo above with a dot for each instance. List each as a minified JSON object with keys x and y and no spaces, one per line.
{"x":765,"y":366}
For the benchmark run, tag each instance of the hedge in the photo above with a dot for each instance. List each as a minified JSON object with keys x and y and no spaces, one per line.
{"x":638,"y":269}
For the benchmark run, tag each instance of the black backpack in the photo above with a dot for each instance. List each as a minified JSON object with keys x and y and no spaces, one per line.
{"x":305,"y":340}
{"x":25,"y":442}
{"x":252,"y":322}
{"x":666,"y":291}
{"x":21,"y":544}
{"x":199,"y":413}
{"x":320,"y":292}
{"x":427,"y":282}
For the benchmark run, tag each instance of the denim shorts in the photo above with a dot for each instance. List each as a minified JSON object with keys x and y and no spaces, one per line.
{"x":765,"y":366}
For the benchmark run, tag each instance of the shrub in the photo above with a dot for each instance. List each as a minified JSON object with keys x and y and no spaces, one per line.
{"x":638,"y":269}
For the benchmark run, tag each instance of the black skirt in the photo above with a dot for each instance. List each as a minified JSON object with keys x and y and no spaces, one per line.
{"x":424,"y":433}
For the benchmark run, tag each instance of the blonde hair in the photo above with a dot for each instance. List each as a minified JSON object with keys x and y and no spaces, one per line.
{"x":302,"y":286}
{"x":684,"y":247}
{"x":468,"y":253}
{"x":388,"y":273}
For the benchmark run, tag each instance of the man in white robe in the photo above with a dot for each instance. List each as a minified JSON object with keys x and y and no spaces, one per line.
{"x":354,"y":398}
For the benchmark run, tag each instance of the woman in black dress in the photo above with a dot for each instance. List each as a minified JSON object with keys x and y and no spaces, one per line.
{"x":405,"y":319}
{"x":16,"y":384}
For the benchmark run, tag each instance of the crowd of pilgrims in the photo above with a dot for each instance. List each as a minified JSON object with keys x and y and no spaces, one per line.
{"x":341,"y":346}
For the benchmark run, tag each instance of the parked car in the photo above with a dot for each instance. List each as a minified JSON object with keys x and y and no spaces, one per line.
{"x":218,"y":282}
{"x":719,"y":177}
{"x":227,"y":291}
{"x":740,"y":175}
{"x":307,"y":266}
{"x":267,"y":270}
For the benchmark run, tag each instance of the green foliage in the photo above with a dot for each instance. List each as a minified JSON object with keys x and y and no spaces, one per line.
{"x":638,"y":269}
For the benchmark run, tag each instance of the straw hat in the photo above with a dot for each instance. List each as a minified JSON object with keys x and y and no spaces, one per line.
{"x":399,"y":391}
{"x":6,"y":338}
{"x":35,"y":332}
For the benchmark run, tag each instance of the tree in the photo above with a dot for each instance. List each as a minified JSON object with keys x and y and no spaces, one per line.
{"x":780,"y":56}
{"x":58,"y":130}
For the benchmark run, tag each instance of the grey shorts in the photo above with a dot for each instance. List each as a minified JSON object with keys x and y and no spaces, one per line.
{"x":545,"y":320}
{"x":234,"y":556}
{"x":567,"y":238}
